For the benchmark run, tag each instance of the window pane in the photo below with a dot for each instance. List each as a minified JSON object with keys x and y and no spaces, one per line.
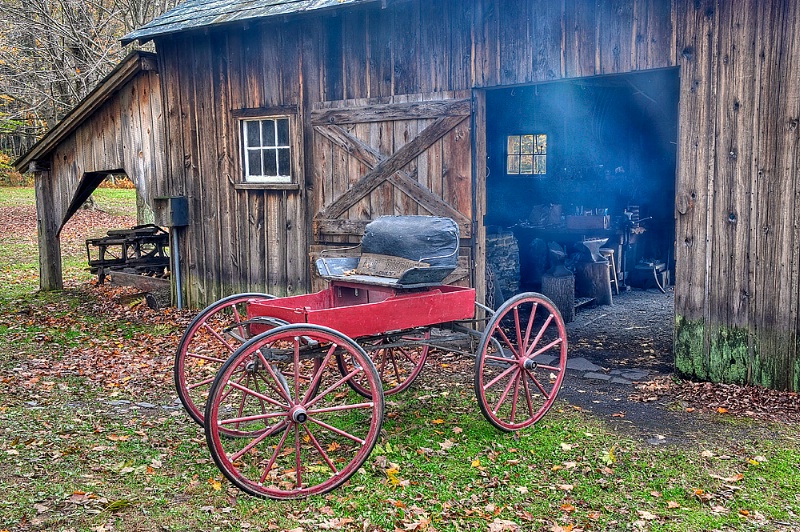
{"x":283,"y":132}
{"x":512,"y":166}
{"x":254,"y":162}
{"x":526,"y":164}
{"x":270,"y":165}
{"x":526,"y":144}
{"x":541,"y":144}
{"x":513,"y":144}
{"x":284,"y":163}
{"x":268,"y":130}
{"x":540,"y":164}
{"x":253,"y":136}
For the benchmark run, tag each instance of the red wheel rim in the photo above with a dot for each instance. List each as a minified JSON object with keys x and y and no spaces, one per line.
{"x":399,"y":360}
{"x":303,"y":437}
{"x":521,"y":362}
{"x":212,"y":336}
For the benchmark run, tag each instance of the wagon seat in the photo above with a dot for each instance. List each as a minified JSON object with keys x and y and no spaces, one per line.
{"x":399,"y":252}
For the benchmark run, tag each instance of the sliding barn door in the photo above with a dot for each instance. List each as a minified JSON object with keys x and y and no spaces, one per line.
{"x":405,"y":155}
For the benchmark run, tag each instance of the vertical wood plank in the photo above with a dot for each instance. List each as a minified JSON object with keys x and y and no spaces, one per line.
{"x":485,"y":44}
{"x":480,"y":172}
{"x":615,"y":25}
{"x":695,"y":185}
{"x":354,"y":43}
{"x":379,"y":53}
{"x":580,"y":46}
{"x":460,"y":16}
{"x":405,"y":60}
{"x":545,"y":39}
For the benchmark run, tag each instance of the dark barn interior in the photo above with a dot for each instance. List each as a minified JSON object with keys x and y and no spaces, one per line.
{"x":582,"y":162}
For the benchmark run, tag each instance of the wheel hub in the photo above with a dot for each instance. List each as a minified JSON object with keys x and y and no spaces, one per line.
{"x":298,"y":414}
{"x":529,"y":364}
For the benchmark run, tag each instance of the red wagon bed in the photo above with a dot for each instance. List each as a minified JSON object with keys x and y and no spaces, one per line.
{"x":361,"y":310}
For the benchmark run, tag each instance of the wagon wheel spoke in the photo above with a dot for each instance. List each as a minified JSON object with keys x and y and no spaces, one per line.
{"x":212,"y":336}
{"x":400,"y":359}
{"x":511,"y":382}
{"x":320,"y":450}
{"x":299,"y":442}
{"x":539,"y":335}
{"x":511,"y":391}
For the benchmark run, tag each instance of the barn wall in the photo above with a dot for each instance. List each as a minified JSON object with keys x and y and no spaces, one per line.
{"x":738,"y":246}
{"x":737,"y":286}
{"x":125,"y":133}
{"x":257,"y":239}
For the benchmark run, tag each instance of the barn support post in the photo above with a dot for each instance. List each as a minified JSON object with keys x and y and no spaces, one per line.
{"x":50,"y":276}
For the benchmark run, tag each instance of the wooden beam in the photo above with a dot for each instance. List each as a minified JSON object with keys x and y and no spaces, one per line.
{"x":50,"y":276}
{"x":393,"y":111}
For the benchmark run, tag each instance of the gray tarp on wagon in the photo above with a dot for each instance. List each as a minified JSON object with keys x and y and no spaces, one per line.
{"x":429,"y":239}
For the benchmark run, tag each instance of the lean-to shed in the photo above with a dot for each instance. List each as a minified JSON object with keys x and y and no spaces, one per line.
{"x":289,"y":124}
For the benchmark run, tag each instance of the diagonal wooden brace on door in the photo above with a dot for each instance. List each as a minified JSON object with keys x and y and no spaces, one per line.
{"x":406,"y":182}
{"x":387,"y":168}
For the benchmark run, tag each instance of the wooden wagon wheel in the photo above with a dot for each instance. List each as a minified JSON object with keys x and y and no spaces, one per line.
{"x":399,"y":359}
{"x":211,"y":337}
{"x":521,"y":362}
{"x":306,"y":437}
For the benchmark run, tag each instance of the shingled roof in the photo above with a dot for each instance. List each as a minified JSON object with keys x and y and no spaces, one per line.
{"x":195,"y":14}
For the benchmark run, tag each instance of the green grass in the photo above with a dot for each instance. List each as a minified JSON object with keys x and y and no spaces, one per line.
{"x":76,"y":458}
{"x":14,"y":196}
{"x":117,"y":201}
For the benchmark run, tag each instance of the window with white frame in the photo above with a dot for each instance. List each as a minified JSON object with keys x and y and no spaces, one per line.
{"x":266,"y":149}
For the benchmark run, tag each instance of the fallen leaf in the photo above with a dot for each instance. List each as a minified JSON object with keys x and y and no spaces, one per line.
{"x":447,"y":444}
{"x":567,"y":507}
{"x":644,"y":514}
{"x":608,"y":457}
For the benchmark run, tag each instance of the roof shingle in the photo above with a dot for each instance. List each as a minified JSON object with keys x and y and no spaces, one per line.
{"x":194,"y":14}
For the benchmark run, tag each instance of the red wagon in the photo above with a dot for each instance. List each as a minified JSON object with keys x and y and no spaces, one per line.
{"x":291,"y":390}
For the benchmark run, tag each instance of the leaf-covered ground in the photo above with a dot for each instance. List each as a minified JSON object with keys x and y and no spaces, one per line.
{"x":92,"y":438}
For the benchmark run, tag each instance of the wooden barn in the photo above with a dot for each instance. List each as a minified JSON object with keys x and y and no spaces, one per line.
{"x":289,"y":124}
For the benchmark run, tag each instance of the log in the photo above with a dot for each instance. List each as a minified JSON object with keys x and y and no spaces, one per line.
{"x":592,"y":280}
{"x":561,"y":291}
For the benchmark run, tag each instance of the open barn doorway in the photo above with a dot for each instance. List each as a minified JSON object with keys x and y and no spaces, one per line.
{"x":580,"y":201}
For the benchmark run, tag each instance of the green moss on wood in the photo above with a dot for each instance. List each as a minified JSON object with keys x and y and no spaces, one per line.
{"x":736,"y":355}
{"x":690,"y":348}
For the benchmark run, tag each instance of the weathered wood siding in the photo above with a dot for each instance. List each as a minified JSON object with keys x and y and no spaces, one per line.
{"x":738,"y":246}
{"x":125,"y":133}
{"x":737,"y":282}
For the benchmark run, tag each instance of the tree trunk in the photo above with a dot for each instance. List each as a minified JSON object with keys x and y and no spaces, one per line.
{"x":592,"y":280}
{"x":561,"y":290}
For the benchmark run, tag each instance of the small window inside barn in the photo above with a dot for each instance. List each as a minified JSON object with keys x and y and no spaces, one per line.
{"x":266,"y":151}
{"x":527,"y":155}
